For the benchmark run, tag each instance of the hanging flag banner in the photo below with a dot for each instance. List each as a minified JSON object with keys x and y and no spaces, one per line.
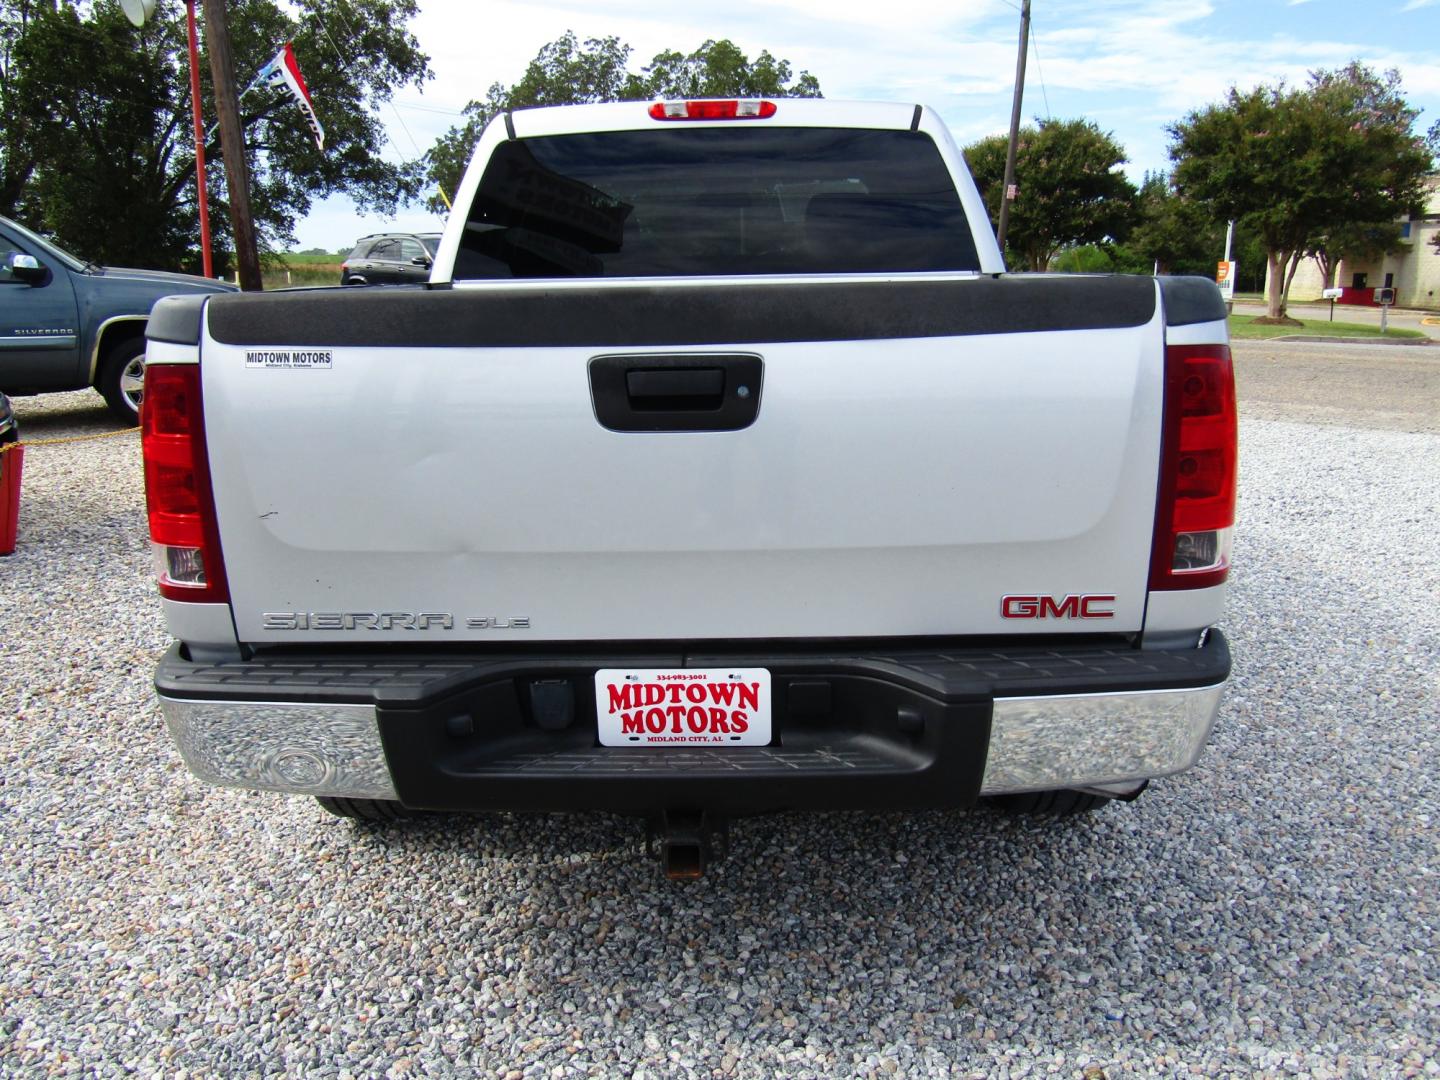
{"x":284,"y":71}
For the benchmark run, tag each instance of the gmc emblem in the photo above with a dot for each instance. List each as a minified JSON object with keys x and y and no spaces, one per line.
{"x":1085,"y":606}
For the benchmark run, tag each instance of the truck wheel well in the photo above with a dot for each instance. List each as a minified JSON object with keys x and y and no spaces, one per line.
{"x":116,"y":334}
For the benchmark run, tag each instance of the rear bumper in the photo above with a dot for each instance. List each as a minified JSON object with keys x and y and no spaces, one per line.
{"x":913,"y":728}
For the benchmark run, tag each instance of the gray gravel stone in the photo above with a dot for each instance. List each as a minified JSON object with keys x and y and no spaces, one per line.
{"x":1273,"y":911}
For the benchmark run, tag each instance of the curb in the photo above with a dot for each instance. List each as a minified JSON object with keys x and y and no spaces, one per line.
{"x":1315,"y":338}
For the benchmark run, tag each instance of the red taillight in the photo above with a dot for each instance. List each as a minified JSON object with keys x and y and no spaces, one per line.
{"x":712,"y":110}
{"x":178,"y":496}
{"x":1195,"y":514}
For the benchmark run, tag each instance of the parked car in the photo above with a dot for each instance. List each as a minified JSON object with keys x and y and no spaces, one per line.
{"x":66,"y":323}
{"x":390,"y":259}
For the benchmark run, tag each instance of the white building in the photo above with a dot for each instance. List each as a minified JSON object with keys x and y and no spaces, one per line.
{"x":1413,"y":271}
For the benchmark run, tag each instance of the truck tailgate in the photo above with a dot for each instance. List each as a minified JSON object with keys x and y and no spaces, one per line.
{"x":429,"y":466}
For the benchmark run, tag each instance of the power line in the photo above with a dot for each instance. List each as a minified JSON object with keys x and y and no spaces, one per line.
{"x":340,"y":10}
{"x":340,"y":56}
{"x":1039,"y":69}
{"x":350,"y":30}
{"x":437,"y":109}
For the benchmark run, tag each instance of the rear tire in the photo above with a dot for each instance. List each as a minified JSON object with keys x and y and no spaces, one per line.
{"x":381,"y":810}
{"x":121,"y":379}
{"x":1059,"y":803}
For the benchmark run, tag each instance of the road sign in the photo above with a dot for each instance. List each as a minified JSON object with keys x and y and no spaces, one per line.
{"x":1331,"y":294}
{"x":1225,"y":278}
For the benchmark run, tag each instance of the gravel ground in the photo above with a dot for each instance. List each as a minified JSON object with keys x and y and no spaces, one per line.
{"x":1273,"y":911}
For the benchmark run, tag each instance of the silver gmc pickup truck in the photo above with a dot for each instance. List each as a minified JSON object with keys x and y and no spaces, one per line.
{"x":719,"y":468}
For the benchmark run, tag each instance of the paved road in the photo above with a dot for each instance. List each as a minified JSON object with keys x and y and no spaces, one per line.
{"x":1393,"y":387}
{"x":1274,"y":911}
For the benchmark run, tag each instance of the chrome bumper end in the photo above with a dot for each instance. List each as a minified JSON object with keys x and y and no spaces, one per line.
{"x":1093,"y":740}
{"x":302,"y":749}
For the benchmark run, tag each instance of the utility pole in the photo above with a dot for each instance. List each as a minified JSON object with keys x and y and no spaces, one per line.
{"x":1007,"y":196}
{"x":232,"y":143}
{"x":201,"y":187}
{"x":1230,"y":270}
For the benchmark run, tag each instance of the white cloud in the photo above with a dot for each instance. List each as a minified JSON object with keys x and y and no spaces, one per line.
{"x":1131,"y":65}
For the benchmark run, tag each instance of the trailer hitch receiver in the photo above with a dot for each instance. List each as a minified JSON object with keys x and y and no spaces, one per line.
{"x":687,"y":842}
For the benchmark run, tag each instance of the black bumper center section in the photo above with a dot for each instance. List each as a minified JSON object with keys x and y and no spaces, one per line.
{"x":888,"y":745}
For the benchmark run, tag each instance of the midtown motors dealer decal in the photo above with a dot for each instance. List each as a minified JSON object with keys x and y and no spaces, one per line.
{"x":289,"y":358}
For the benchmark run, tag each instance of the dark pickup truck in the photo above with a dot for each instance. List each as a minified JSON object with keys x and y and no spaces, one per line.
{"x":66,"y":324}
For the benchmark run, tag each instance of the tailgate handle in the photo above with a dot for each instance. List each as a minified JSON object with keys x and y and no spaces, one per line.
{"x":675,"y":388}
{"x":676,"y":391}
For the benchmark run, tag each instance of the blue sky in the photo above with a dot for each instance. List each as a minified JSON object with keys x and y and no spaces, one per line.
{"x":1132,"y":66}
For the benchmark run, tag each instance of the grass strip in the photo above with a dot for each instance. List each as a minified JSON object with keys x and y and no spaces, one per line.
{"x":1243,"y":327}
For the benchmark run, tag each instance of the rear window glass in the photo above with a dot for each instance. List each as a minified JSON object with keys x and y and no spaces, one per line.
{"x":715,"y":201}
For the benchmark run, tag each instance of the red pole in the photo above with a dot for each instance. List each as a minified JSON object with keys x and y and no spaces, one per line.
{"x":199,"y":141}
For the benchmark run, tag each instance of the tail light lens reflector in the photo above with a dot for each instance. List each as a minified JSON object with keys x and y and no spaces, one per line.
{"x":1195,"y":512}
{"x":178,"y":495}
{"x":712,"y":110}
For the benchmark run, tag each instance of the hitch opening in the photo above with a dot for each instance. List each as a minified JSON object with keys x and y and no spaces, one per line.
{"x":687,"y":842}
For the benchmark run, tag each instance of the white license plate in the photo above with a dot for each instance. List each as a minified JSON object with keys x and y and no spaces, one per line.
{"x":683,"y":706}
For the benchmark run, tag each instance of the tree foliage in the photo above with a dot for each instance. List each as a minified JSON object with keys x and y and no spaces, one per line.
{"x":1172,"y":232}
{"x":97,"y":144}
{"x":720,"y":69}
{"x":1298,"y":164}
{"x":568,"y":71}
{"x":1071,"y":191}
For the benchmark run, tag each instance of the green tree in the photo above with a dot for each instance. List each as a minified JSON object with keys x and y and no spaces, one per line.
{"x":98,"y":143}
{"x":568,"y":71}
{"x":720,"y":69}
{"x":17,"y":149}
{"x":1085,"y":259}
{"x":1174,"y":233}
{"x":1071,"y":191}
{"x":1296,"y":164}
